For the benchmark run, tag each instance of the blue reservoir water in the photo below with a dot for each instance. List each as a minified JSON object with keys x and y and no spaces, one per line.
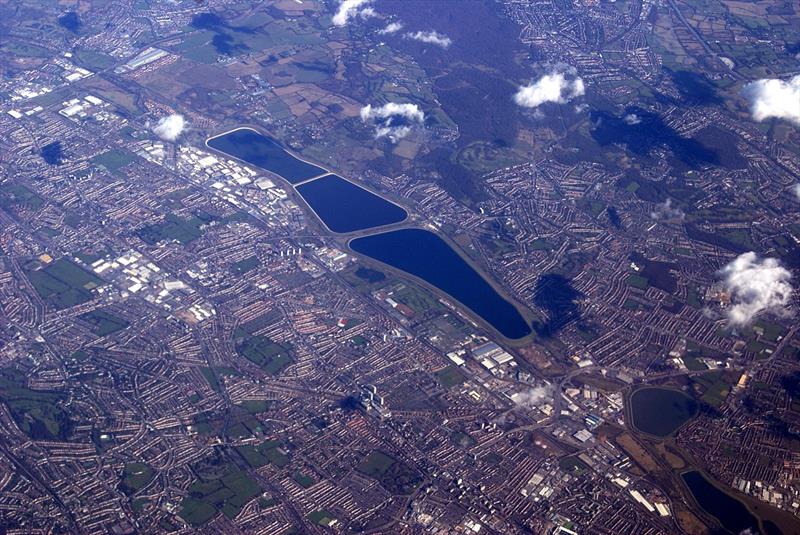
{"x":248,"y":145}
{"x":731,"y":513}
{"x":425,"y":255}
{"x":661,"y":411}
{"x":346,"y":207}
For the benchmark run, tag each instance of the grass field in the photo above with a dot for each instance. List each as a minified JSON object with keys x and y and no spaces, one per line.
{"x":694,"y":364}
{"x":376,"y":464}
{"x":17,"y":194}
{"x":104,"y":323}
{"x":93,"y":59}
{"x":637,"y":281}
{"x":18,"y":48}
{"x":771,"y":331}
{"x":114,"y":159}
{"x":263,"y":352}
{"x":540,"y":244}
{"x":321,"y":517}
{"x":450,"y":376}
{"x":36,"y":413}
{"x":243,"y":266}
{"x":394,"y":475}
{"x":173,"y":228}
{"x":208,"y":373}
{"x":303,"y":480}
{"x":63,"y":283}
{"x":135,"y":477}
{"x":227,"y":494}
{"x":267,"y":453}
{"x":254,"y":406}
{"x":417,"y":299}
{"x":572,"y":464}
{"x":715,"y":387}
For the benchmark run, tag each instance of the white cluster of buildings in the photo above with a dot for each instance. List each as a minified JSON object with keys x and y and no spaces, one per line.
{"x":137,"y":275}
{"x":233,"y":181}
{"x":78,"y":109}
{"x":26,"y":89}
{"x":72,"y":73}
{"x":767,"y":493}
{"x":653,"y":506}
{"x":333,"y":258}
{"x":148,"y":55}
{"x":371,"y":401}
{"x":607,"y":405}
{"x":152,"y":151}
{"x":494,"y":358}
{"x":582,"y":360}
{"x":661,"y":508}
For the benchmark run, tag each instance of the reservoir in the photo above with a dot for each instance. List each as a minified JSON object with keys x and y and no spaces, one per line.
{"x":661,"y":411}
{"x":249,"y":146}
{"x":346,"y":207}
{"x":730,"y":512}
{"x":425,"y":255}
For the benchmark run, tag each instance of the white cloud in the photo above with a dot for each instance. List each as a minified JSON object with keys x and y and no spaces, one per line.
{"x":349,"y":9}
{"x":170,"y":127}
{"x":560,"y":85}
{"x":532,"y":398}
{"x":665,"y":210}
{"x":393,"y":120}
{"x":367,"y":12}
{"x":432,"y":37}
{"x":774,"y":98}
{"x":632,"y":119}
{"x":392,"y":27}
{"x":755,"y":285}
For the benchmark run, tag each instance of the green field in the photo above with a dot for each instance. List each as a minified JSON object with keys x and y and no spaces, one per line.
{"x":196,"y":512}
{"x":174,"y":228}
{"x":18,"y":48}
{"x":376,"y":464}
{"x":104,"y":323}
{"x":593,"y":206}
{"x":227,"y":493}
{"x":242,"y":429}
{"x":254,"y":406}
{"x":715,"y":387}
{"x":694,"y":364}
{"x":92,"y":59}
{"x":770,"y":331}
{"x":394,"y":475}
{"x":303,"y":480}
{"x":263,"y":352}
{"x":36,"y":413}
{"x":572,"y":464}
{"x":135,"y":477}
{"x":267,"y":453}
{"x":208,"y":373}
{"x":215,"y":39}
{"x":63,"y":283}
{"x":114,"y":159}
{"x":540,"y":244}
{"x":17,"y":194}
{"x":371,"y":276}
{"x":450,"y":376}
{"x":417,"y":299}
{"x":637,"y":281}
{"x":243,"y":266}
{"x":321,"y":517}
